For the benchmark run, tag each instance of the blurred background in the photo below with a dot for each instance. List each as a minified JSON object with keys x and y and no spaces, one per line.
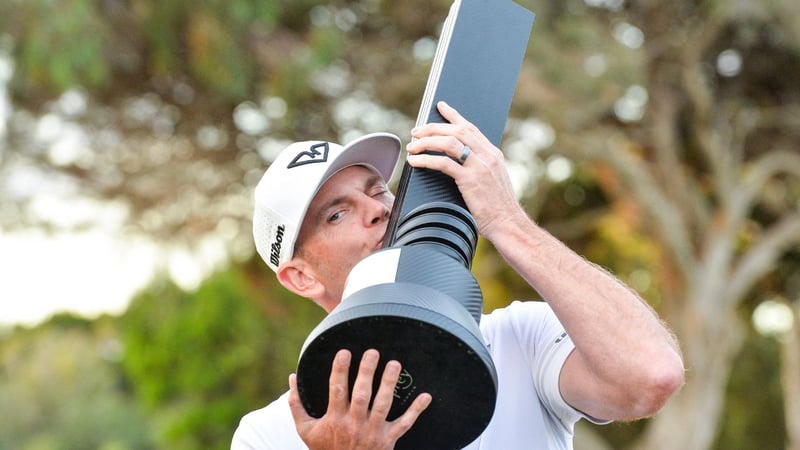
{"x":660,"y":139}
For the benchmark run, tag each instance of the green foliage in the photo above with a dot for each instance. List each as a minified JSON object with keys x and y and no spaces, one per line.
{"x":197,"y":361}
{"x":201,"y":360}
{"x":177,"y":371}
{"x":65,"y":52}
{"x":325,"y":44}
{"x":626,"y":252}
{"x":753,"y":417}
{"x":499,"y":283}
{"x":60,"y":388}
{"x":162,"y":27}
{"x":215,"y":56}
{"x":206,"y":40}
{"x":68,"y":43}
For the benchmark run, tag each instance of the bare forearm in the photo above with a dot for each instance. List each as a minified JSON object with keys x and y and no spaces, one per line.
{"x":620,"y":340}
{"x":626,"y":363}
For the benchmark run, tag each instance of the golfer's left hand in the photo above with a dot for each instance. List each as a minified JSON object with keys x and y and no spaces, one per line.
{"x":481,"y":178}
{"x":349,"y":423}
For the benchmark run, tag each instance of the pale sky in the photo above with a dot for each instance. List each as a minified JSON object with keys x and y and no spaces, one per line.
{"x":92,"y":272}
{"x":86,"y":273}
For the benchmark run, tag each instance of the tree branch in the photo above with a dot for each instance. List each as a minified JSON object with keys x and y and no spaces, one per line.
{"x":790,"y":373}
{"x":761,"y":170}
{"x":661,"y":209}
{"x":761,"y":256}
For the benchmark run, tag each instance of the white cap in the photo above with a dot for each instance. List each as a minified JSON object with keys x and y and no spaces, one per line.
{"x":293,"y":179}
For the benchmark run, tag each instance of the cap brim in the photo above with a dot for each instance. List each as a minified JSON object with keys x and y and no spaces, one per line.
{"x":380,"y":151}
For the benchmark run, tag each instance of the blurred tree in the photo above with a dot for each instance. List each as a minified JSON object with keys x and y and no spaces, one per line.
{"x":60,"y":387}
{"x":790,"y":373}
{"x":703,"y":169}
{"x":690,"y":126}
{"x":659,"y":138}
{"x":759,"y":360}
{"x":199,"y":360}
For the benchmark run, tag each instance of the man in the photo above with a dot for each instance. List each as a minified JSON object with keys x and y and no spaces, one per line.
{"x":592,"y":349}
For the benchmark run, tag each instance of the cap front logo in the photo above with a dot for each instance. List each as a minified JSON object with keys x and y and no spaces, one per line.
{"x":317,"y":153}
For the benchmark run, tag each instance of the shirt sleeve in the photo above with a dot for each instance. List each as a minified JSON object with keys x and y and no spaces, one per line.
{"x":545,"y":346}
{"x":269,"y":428}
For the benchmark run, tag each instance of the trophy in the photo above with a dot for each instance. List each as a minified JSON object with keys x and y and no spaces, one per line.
{"x":416,"y":300}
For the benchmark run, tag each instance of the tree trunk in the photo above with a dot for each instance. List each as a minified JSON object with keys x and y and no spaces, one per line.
{"x":690,"y":421}
{"x":790,"y":376}
{"x":587,"y":438}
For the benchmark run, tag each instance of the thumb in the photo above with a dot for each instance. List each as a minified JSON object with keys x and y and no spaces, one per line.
{"x":301,"y":417}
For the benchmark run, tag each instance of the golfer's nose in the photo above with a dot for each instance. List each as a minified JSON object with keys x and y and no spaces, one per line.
{"x":376,"y":212}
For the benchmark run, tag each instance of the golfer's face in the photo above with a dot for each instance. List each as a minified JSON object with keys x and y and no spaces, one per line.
{"x":345,"y":222}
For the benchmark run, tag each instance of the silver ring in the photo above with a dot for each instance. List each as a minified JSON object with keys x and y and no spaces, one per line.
{"x":464,"y":155}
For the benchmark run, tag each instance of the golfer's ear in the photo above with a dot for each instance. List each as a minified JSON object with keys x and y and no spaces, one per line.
{"x":298,"y":277}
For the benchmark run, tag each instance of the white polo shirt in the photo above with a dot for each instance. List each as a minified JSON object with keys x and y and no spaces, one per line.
{"x":528,"y":346}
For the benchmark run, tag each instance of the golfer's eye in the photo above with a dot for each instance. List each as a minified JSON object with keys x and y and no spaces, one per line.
{"x":335,"y":216}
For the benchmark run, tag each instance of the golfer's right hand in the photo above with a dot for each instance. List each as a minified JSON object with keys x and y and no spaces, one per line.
{"x":349,"y":423}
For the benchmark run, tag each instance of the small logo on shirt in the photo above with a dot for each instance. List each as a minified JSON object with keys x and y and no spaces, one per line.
{"x":561,"y":338}
{"x":317,"y":153}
